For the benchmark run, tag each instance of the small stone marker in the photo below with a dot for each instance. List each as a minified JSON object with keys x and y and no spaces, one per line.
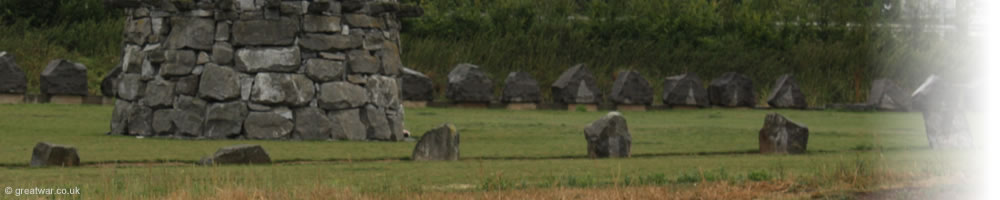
{"x":631,"y":89}
{"x":786,"y":94}
{"x":684,"y":90}
{"x":887,"y":95}
{"x":238,"y":154}
{"x":576,"y":86}
{"x":608,"y":137}
{"x":521,"y":91}
{"x":417,"y":87}
{"x":732,"y":90}
{"x":945,"y":122}
{"x":48,"y":154}
{"x":440,"y":143}
{"x":468,"y":84}
{"x":64,"y":82}
{"x":780,"y":135}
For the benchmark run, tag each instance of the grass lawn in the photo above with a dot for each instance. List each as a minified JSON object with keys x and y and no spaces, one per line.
{"x":505,"y":154}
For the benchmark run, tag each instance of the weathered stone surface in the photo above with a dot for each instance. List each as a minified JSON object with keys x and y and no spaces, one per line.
{"x":608,"y":137}
{"x":780,"y":135}
{"x":219,"y":84}
{"x":222,"y":31}
{"x":140,"y":120}
{"x":62,"y":77}
{"x":276,"y":88}
{"x":47,"y":154}
{"x":159,"y":93}
{"x":363,"y":21}
{"x":244,"y":154}
{"x":108,"y":85}
{"x":576,"y":86}
{"x":324,"y":42}
{"x":389,"y":57}
{"x":378,"y":125}
{"x":131,"y":87}
{"x":631,"y":88}
{"x":294,"y":7}
{"x":12,"y":79}
{"x":416,"y":86}
{"x":191,"y":32}
{"x":222,"y":53}
{"x":119,"y":118}
{"x":188,"y":116}
{"x":521,"y":87}
{"x":395,"y":119}
{"x":187,"y":85}
{"x":225,"y":120}
{"x":162,"y":124}
{"x":360,"y":61}
{"x":268,"y":125}
{"x":732,"y":90}
{"x":945,"y":120}
{"x":341,"y":95}
{"x":132,"y":60}
{"x":311,"y":123}
{"x":319,"y":23}
{"x":684,"y":90}
{"x":347,"y":125}
{"x":264,"y":32}
{"x":440,"y":143}
{"x":383,"y":91}
{"x":178,"y":63}
{"x":786,"y":94}
{"x":268,"y":59}
{"x":137,"y":30}
{"x":323,"y":70}
{"x":467,"y":83}
{"x":887,"y":95}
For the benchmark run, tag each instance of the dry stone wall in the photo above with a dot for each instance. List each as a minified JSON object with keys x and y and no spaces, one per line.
{"x":261,"y":69}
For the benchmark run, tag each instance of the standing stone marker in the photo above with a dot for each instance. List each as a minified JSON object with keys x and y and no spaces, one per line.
{"x":440,"y":143}
{"x":244,"y":154}
{"x":631,"y":89}
{"x":13,"y":83}
{"x":577,"y":86}
{"x":732,"y":90}
{"x":468,"y":84}
{"x":608,"y":137}
{"x":684,"y":90}
{"x":944,"y":120}
{"x":64,"y":82}
{"x":786,"y":94}
{"x":887,"y":95}
{"x":48,"y":154}
{"x":245,"y":69}
{"x":417,"y":87}
{"x":780,"y":135}
{"x":521,"y":91}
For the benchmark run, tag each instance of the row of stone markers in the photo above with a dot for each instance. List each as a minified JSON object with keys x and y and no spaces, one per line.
{"x":62,"y":82}
{"x":577,"y":87}
{"x":260,"y":69}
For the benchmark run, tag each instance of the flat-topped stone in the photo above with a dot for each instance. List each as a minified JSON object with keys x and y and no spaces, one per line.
{"x":521,"y":87}
{"x":732,"y":90}
{"x":243,"y":154}
{"x":468,"y":83}
{"x":63,"y":77}
{"x":47,"y":154}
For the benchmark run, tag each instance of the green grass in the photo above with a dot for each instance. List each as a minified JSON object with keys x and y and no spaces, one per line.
{"x":500,"y":149}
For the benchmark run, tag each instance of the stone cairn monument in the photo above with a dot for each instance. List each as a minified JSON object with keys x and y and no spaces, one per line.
{"x":261,"y":69}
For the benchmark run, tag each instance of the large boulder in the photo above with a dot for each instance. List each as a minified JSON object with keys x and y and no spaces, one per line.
{"x":62,"y":77}
{"x":887,"y":95}
{"x":341,"y":95}
{"x":416,"y":86}
{"x":266,"y":32}
{"x":732,"y":90}
{"x":219,"y":84}
{"x":159,"y":93}
{"x":608,"y":137}
{"x":286,"y":89}
{"x":378,"y":124}
{"x":521,"y":87}
{"x":130,"y":87}
{"x":944,"y":119}
{"x":225,"y":120}
{"x":311,"y":123}
{"x":684,"y":90}
{"x":276,"y":124}
{"x":383,"y":91}
{"x":108,"y":84}
{"x":440,"y":143}
{"x":272,"y":59}
{"x":632,"y":89}
{"x":786,"y":94}
{"x":780,"y":135}
{"x":238,"y":154}
{"x":347,"y":125}
{"x":323,"y":70}
{"x":467,"y":83}
{"x":12,"y":79}
{"x":192,"y":32}
{"x":47,"y":154}
{"x":576,"y":86}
